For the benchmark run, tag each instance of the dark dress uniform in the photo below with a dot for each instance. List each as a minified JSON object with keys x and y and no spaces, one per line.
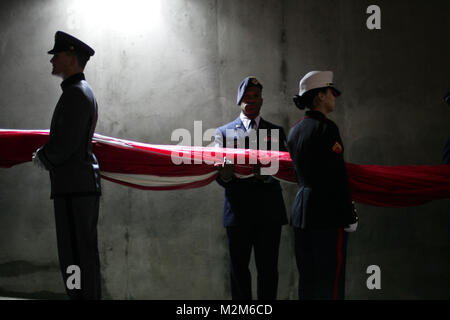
{"x":253,"y":214}
{"x":322,"y":206}
{"x":446,"y":153}
{"x":446,"y":160}
{"x":75,"y":183}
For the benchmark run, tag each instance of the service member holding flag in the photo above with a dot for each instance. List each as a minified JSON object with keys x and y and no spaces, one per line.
{"x":73,"y":168}
{"x":446,"y":158}
{"x":254,"y":209}
{"x":323,"y":209}
{"x":446,"y":153}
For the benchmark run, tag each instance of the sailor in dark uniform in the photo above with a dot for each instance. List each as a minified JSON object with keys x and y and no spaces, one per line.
{"x":446,"y":153}
{"x":254,"y":209}
{"x":446,"y":160}
{"x":73,"y":168}
{"x":323,"y":209}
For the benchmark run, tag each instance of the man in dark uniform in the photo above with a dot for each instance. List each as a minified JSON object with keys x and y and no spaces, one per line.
{"x":73,"y":168}
{"x":446,"y":154}
{"x":323,"y":207}
{"x":446,"y":159}
{"x":254,"y":209}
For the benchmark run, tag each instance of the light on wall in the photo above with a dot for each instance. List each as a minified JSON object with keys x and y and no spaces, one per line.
{"x":122,"y":16}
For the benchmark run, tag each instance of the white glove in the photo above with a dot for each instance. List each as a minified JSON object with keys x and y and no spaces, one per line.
{"x":352,"y":227}
{"x":36,"y":161}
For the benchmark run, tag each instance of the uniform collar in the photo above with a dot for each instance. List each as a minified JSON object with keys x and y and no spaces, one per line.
{"x":246,"y":121}
{"x":315,"y":114}
{"x":72,"y":79}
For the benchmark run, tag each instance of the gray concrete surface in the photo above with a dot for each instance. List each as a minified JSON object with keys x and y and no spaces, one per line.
{"x":153,"y":73}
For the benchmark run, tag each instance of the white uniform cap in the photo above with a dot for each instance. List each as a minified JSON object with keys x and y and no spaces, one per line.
{"x":315,"y":80}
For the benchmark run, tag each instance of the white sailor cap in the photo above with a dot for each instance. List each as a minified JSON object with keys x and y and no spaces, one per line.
{"x":315,"y":80}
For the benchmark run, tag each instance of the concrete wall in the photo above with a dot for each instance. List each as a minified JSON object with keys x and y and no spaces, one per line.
{"x":155,"y":72}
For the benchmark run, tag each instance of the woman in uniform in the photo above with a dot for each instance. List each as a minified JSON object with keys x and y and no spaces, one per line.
{"x":323,"y":211}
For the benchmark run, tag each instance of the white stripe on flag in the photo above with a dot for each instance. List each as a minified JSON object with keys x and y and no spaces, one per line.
{"x":147,"y":180}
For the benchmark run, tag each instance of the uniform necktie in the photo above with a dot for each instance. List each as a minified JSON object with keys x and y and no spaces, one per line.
{"x":252,"y":124}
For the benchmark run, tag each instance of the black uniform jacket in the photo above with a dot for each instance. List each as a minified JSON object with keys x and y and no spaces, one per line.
{"x":250,"y":201}
{"x":323,"y":199}
{"x":68,"y":153}
{"x":446,"y":154}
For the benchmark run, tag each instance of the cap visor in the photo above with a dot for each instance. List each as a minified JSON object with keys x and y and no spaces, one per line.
{"x":337,"y":93}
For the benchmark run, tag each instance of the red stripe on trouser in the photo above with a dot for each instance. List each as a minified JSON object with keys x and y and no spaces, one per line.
{"x":339,"y":264}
